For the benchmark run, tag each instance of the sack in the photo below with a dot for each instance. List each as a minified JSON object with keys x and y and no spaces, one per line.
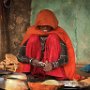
{"x":86,"y":68}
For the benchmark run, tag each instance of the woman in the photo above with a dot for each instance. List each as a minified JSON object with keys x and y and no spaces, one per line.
{"x":47,"y":50}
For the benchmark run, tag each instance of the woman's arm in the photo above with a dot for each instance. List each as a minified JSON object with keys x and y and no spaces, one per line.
{"x":63,"y":59}
{"x":21,"y":55}
{"x":24,"y":59}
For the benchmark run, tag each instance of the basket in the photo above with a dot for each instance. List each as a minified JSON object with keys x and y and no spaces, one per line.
{"x":40,"y":86}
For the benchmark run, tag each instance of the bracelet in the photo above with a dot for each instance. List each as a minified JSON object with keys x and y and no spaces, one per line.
{"x":55,"y":64}
{"x":30,"y":60}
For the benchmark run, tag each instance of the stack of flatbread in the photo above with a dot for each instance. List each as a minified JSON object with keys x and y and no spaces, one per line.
{"x":87,"y":81}
{"x":10,"y":63}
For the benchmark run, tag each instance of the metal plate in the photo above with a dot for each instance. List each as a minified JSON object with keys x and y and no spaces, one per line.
{"x":4,"y":72}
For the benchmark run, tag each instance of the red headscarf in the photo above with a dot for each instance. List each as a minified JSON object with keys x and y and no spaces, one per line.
{"x":47,"y":17}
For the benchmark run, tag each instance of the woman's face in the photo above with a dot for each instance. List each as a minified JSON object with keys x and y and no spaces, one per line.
{"x":45,"y":28}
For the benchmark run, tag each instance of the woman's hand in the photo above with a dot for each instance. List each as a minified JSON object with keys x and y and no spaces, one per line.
{"x":48,"y":66}
{"x":37,"y":63}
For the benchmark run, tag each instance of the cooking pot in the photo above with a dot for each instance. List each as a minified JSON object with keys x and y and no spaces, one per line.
{"x":13,"y":81}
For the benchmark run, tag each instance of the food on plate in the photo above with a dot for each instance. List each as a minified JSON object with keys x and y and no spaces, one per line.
{"x":19,"y":76}
{"x":50,"y":82}
{"x":87,"y":81}
{"x":11,"y":84}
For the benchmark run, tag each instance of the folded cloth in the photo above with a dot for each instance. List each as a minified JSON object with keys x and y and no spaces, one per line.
{"x":86,"y":68}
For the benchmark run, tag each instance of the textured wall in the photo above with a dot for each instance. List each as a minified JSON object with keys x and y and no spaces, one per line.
{"x":73,"y":16}
{"x":19,"y":20}
{"x":4,"y":45}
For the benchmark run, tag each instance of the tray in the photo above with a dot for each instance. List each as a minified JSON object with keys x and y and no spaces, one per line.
{"x":5,"y":72}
